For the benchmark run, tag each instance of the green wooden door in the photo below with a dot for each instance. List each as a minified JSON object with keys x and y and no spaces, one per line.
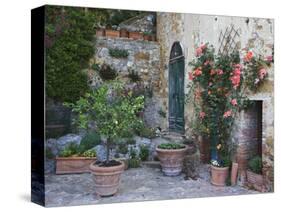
{"x":176,"y":91}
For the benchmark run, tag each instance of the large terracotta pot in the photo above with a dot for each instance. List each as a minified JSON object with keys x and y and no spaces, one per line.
{"x":219,"y":175}
{"x":106,"y":179}
{"x":71,"y":165}
{"x":171,"y":160}
{"x":205,"y":149}
{"x":255,"y":180}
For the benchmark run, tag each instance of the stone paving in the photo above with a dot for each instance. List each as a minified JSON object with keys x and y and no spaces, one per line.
{"x":138,"y":184}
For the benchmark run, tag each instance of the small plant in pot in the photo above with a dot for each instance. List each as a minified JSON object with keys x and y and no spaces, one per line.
{"x":171,"y":156}
{"x":220,"y":167}
{"x":115,"y":114}
{"x":254,"y":173}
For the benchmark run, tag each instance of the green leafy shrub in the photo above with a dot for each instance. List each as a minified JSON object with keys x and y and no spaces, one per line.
{"x":134,"y":161}
{"x":171,"y":146}
{"x":144,"y":153}
{"x":70,"y":150}
{"x":118,"y":53}
{"x":49,"y":153}
{"x":123,"y":149}
{"x":255,"y":165}
{"x":70,"y":43}
{"x":89,"y":141}
{"x":146,"y":132}
{"x":91,"y":153}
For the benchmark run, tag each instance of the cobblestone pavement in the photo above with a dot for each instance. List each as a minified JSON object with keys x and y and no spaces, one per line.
{"x":138,"y":184}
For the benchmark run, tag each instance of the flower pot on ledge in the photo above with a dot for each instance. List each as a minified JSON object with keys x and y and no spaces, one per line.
{"x":124,"y":33}
{"x":136,"y":35}
{"x":100,"y":32}
{"x":112,"y":33}
{"x":73,"y":165}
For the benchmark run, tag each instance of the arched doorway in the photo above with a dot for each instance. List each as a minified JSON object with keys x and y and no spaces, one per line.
{"x":176,"y":89}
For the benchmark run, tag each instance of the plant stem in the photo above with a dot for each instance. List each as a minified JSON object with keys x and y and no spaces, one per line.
{"x":107,"y":149}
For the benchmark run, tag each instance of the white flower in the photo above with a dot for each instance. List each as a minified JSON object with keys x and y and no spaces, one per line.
{"x":257,"y":81}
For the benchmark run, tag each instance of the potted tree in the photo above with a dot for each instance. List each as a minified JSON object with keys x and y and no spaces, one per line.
{"x":254,"y":174}
{"x":114,"y":112}
{"x":171,"y":156}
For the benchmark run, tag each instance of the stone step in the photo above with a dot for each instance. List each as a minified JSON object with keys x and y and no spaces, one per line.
{"x":151,"y":164}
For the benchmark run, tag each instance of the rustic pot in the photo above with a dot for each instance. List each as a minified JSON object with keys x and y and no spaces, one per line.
{"x":152,"y":37}
{"x":71,"y":165}
{"x":219,"y":175}
{"x":147,"y":37}
{"x":171,"y":160}
{"x":255,"y":180}
{"x":204,"y":148}
{"x":234,"y":172}
{"x":136,"y":35}
{"x":106,"y":179}
{"x":100,"y":32}
{"x":112,"y":33}
{"x":124,"y":33}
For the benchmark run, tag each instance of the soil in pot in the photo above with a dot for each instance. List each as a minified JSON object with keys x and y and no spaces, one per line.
{"x":171,"y":160}
{"x":219,"y":175}
{"x":106,"y":177}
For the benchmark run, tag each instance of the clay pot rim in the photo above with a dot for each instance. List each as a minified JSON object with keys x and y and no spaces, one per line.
{"x":220,"y":168}
{"x":172,"y":150}
{"x":75,"y":158}
{"x":95,"y":168}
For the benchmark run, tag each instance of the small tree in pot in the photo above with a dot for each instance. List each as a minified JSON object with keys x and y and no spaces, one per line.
{"x":114,"y":112}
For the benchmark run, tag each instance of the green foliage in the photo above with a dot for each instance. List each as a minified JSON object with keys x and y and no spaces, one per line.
{"x":255,"y":165}
{"x":118,"y":53}
{"x":91,"y":153}
{"x":133,"y":75}
{"x":113,"y":110}
{"x":49,"y":153}
{"x":146,"y":132}
{"x":134,"y":161}
{"x":70,"y":150}
{"x":144,"y":153}
{"x":171,"y":146}
{"x":89,"y":141}
{"x":69,"y":42}
{"x":123,"y":149}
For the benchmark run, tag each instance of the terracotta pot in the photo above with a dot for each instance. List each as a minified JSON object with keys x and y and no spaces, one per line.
{"x":100,"y":32}
{"x":234,"y":172}
{"x":124,"y":33}
{"x":136,"y":35}
{"x":219,"y":175}
{"x":147,"y":37}
{"x":255,"y":180}
{"x":106,"y":179}
{"x":71,"y":165}
{"x":152,"y":37}
{"x":171,"y":160}
{"x":204,"y":148}
{"x":112,"y":33}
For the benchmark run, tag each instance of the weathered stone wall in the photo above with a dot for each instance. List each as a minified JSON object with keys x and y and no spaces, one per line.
{"x":192,"y":30}
{"x":144,"y":59}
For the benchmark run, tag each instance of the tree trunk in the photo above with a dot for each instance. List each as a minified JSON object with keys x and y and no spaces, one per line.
{"x":107,"y":150}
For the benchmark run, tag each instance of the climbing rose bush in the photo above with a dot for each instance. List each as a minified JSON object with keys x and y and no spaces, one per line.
{"x":217,"y":90}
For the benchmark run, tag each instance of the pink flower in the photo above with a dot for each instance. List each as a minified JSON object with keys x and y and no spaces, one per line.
{"x":198,"y":52}
{"x":213,"y":72}
{"x":239,"y":66}
{"x":269,"y":58}
{"x":202,"y":115}
{"x":248,"y":56}
{"x":220,"y":72}
{"x":203,"y":46}
{"x":235,"y":80}
{"x":227,"y":114}
{"x":198,"y":71}
{"x":190,"y":76}
{"x":210,"y":83}
{"x":262,"y":73}
{"x":207,"y":62}
{"x":234,"y":102}
{"x":236,"y":71}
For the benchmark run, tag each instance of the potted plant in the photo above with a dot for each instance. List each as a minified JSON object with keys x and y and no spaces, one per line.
{"x":124,"y":33}
{"x":71,"y":161}
{"x":112,"y":32}
{"x":136,"y":35}
{"x":149,"y":36}
{"x":100,"y":32}
{"x":115,"y":114}
{"x":171,"y":156}
{"x":254,"y":173}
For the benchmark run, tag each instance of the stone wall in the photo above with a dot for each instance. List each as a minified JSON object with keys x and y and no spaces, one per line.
{"x":191,"y":31}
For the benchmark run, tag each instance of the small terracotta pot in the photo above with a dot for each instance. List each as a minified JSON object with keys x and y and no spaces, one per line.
{"x":112,"y":33}
{"x":124,"y":33}
{"x":147,"y":37}
{"x":171,"y":160}
{"x":219,"y":175}
{"x":234,"y":172}
{"x":255,"y":180}
{"x":152,"y":37}
{"x":71,"y":165}
{"x":136,"y":35}
{"x":204,"y":148}
{"x":106,"y":179}
{"x":100,"y":32}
